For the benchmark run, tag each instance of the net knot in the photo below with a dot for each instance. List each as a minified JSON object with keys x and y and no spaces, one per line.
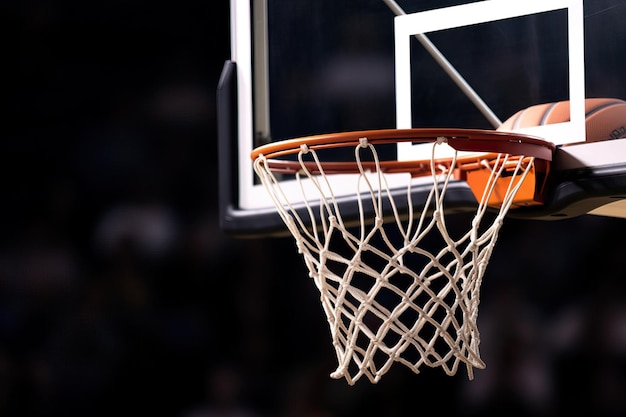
{"x":304,"y":148}
{"x":261,"y":160}
{"x":441,"y":139}
{"x":379,"y":222}
{"x":363,"y":142}
{"x":301,"y":250}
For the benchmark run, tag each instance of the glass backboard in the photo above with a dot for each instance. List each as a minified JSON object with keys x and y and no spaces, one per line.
{"x":302,"y":68}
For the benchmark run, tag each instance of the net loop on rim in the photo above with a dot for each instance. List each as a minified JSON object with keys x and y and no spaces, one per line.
{"x":402,"y":288}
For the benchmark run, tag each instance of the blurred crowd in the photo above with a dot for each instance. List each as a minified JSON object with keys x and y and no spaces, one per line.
{"x":119,"y":295}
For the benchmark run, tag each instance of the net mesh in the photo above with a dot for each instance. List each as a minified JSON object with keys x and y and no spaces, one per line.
{"x":401,"y":289}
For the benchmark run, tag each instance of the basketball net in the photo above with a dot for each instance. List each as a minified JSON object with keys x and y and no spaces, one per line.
{"x":381,"y":307}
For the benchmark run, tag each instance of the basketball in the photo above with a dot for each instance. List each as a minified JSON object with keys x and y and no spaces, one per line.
{"x":605,"y":117}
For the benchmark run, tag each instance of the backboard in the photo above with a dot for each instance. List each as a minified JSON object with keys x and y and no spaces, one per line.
{"x":302,"y":68}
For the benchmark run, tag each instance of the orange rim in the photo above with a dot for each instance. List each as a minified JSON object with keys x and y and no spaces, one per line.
{"x":487,"y":144}
{"x":469,"y":140}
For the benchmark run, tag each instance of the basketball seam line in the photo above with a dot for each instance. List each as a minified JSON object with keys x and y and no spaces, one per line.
{"x":602,"y":107}
{"x":518,"y":119}
{"x":546,"y":114}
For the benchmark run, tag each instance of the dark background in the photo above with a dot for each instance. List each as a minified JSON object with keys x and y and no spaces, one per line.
{"x":119,"y":295}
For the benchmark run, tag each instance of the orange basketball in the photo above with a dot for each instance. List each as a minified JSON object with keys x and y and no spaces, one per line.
{"x":605,"y":117}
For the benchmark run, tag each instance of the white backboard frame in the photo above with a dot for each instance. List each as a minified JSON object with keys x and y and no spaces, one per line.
{"x":409,"y":25}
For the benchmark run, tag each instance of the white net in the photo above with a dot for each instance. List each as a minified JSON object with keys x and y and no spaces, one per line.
{"x":401,"y":290}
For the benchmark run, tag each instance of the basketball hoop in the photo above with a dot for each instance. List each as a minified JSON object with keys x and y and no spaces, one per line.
{"x":387,"y":295}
